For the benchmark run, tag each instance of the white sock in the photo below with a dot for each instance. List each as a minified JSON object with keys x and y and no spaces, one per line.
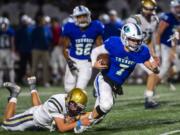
{"x":32,"y":91}
{"x":13,"y":100}
{"x":148,"y":93}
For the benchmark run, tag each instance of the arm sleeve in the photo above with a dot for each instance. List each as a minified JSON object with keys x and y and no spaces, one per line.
{"x":100,"y":28}
{"x":146,"y":56}
{"x":96,"y":52}
{"x":65,"y":30}
{"x":53,"y":110}
{"x":166,"y":18}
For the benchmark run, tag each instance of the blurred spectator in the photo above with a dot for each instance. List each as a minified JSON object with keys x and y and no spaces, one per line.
{"x":113,"y":27}
{"x":24,"y":45}
{"x":57,"y":58}
{"x":41,"y":40}
{"x":7,"y":49}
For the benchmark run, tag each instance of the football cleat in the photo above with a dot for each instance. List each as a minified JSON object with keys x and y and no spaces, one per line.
{"x":31,"y":80}
{"x":14,"y":89}
{"x":150,"y":104}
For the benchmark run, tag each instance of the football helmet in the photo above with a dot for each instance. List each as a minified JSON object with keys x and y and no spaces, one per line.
{"x":148,"y":6}
{"x":4,"y":23}
{"x":175,"y":7}
{"x":132,"y":36}
{"x":76,"y":101}
{"x":81,"y":16}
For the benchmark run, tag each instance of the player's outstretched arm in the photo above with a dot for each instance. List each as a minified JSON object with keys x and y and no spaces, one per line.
{"x":152,"y":65}
{"x":62,"y":126}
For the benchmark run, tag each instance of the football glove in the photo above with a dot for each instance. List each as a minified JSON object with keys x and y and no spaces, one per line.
{"x":71,"y":65}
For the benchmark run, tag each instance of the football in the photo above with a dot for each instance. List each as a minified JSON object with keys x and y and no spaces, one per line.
{"x":104,"y":57}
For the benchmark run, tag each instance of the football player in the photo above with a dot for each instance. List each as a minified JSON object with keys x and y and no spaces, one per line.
{"x":148,"y":22}
{"x":168,"y":21}
{"x":7,"y":49}
{"x":58,"y":112}
{"x":78,"y":41}
{"x":124,"y":53}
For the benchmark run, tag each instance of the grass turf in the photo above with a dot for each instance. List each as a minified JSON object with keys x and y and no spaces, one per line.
{"x":127,"y":117}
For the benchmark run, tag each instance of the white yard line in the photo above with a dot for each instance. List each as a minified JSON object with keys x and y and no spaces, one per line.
{"x":171,"y":132}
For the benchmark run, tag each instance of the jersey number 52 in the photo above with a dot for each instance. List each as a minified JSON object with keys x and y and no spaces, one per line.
{"x":82,"y":49}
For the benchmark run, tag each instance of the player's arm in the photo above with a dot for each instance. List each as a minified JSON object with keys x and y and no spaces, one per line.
{"x":65,"y":42}
{"x":95,"y":53}
{"x":99,"y":40}
{"x":152,"y":65}
{"x":62,"y":126}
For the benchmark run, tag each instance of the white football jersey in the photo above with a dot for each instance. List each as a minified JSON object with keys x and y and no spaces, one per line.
{"x":53,"y":107}
{"x":147,"y":27}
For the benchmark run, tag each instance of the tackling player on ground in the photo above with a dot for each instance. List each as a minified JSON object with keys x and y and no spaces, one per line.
{"x":58,"y":112}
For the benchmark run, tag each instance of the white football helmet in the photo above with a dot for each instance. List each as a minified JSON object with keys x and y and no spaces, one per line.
{"x":4,"y":23}
{"x":80,"y":11}
{"x":132,"y":36}
{"x":175,"y":7}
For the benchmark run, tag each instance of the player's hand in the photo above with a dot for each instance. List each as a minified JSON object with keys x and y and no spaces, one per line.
{"x":85,"y":121}
{"x":71,"y":65}
{"x":157,"y":60}
{"x":100,"y":65}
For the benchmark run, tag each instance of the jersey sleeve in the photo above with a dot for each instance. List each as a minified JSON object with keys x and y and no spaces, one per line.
{"x":145,"y":55}
{"x":54,"y":108}
{"x":100,"y":28}
{"x":66,"y":30}
{"x":108,"y":44}
{"x":12,"y":32}
{"x":166,"y":17}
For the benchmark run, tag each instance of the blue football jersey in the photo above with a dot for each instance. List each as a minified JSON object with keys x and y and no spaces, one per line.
{"x":173,"y":22}
{"x":5,"y":38}
{"x":82,"y":41}
{"x":112,"y":29}
{"x":122,"y":63}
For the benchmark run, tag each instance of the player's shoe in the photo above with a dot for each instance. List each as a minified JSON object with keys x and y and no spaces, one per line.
{"x":150,"y":104}
{"x":31,"y":80}
{"x":172,"y":87}
{"x":13,"y":89}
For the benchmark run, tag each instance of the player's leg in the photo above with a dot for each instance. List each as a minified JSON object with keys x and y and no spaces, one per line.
{"x":34,"y":94}
{"x":104,"y":101}
{"x":1,"y":67}
{"x":165,"y":51}
{"x":14,"y":91}
{"x":69,"y":80}
{"x":84,"y":74}
{"x":45,"y":61}
{"x":54,"y":65}
{"x":10,"y":65}
{"x":150,"y":89}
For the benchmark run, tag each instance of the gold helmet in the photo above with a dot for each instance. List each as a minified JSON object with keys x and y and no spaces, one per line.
{"x":149,"y":6}
{"x":149,"y":3}
{"x":76,"y":101}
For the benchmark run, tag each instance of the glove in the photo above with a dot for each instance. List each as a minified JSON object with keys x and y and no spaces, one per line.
{"x":71,"y":65}
{"x":156,"y":70}
{"x":78,"y":130}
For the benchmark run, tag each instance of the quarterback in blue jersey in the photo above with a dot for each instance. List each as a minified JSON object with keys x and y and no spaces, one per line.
{"x":168,"y":22}
{"x":79,"y":38}
{"x":7,"y":49}
{"x":124,"y":53}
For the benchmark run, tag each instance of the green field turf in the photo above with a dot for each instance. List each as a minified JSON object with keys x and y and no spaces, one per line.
{"x":128,"y":116}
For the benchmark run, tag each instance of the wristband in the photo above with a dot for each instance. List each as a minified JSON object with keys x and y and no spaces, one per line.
{"x":78,"y":123}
